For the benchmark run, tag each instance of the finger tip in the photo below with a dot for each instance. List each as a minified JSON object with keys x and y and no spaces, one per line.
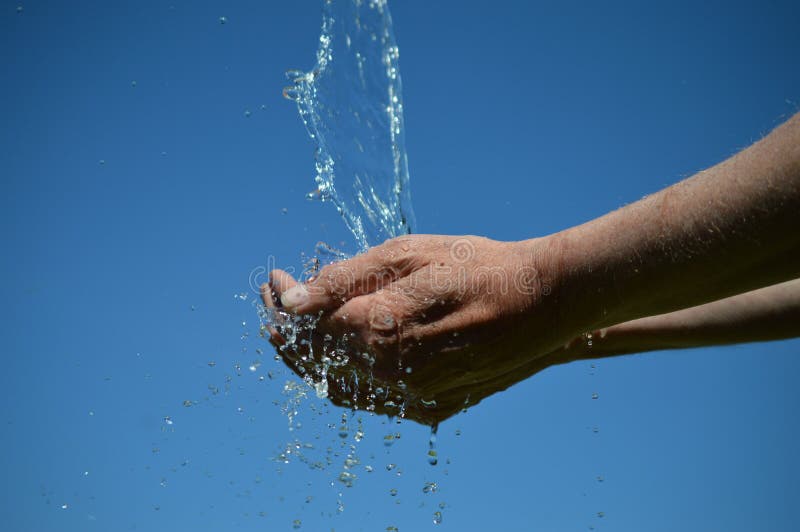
{"x":264,"y":290}
{"x":295,"y":298}
{"x":281,"y":281}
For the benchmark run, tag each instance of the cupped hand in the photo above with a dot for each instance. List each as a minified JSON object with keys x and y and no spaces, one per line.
{"x":423,"y":325}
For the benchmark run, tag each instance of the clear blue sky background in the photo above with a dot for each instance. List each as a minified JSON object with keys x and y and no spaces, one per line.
{"x":522,"y":118}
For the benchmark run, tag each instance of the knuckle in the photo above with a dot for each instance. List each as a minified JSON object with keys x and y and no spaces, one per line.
{"x":384,"y":330}
{"x":338,"y":279}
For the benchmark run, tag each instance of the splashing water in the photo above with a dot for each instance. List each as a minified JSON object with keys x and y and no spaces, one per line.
{"x":351,"y":104}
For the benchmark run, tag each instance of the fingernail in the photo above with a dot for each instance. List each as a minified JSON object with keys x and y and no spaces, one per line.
{"x":294,"y":297}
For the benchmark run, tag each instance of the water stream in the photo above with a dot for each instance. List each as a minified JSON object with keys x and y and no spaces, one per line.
{"x":352,"y":106}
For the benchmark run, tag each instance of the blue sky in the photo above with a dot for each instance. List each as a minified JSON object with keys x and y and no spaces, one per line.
{"x":137,"y":196}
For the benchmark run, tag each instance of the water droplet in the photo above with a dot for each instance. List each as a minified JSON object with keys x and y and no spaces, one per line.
{"x":428,"y":404}
{"x":347,"y":478}
{"x":247,"y":113}
{"x":393,"y":492}
{"x":223,"y":20}
{"x":293,"y":94}
{"x":392,"y":529}
{"x":64,"y":506}
{"x":388,"y":440}
{"x":600,"y":479}
{"x":389,"y":467}
{"x":433,"y":457}
{"x":430,"y":487}
{"x":187,"y":403}
{"x":295,"y":75}
{"x":102,"y":162}
{"x":20,"y":9}
{"x":168,"y":420}
{"x":437,"y":518}
{"x":296,"y":523}
{"x":595,"y":395}
{"x":601,"y":514}
{"x":321,"y":389}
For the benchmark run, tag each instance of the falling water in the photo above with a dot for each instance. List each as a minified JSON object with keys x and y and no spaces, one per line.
{"x":351,"y":104}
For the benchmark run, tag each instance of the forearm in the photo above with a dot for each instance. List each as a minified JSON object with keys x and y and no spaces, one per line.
{"x":727,"y":230}
{"x":771,"y":313}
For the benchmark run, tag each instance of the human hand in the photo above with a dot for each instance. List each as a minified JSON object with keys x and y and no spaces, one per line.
{"x":432,"y":323}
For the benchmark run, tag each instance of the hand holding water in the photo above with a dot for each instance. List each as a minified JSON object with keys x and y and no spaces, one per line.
{"x":431,"y":323}
{"x":435,"y":322}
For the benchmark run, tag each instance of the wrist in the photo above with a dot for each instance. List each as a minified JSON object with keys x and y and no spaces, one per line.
{"x":583,"y":295}
{"x":554,"y":281}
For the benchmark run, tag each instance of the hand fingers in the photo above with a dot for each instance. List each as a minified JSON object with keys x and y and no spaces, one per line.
{"x":279,"y":325}
{"x":342,"y":281}
{"x":269,"y":305}
{"x":374,"y":326}
{"x":281,"y":282}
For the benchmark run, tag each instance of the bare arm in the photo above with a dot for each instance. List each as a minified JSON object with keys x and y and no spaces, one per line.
{"x":459,"y":318}
{"x":727,"y":230}
{"x":771,"y":313}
